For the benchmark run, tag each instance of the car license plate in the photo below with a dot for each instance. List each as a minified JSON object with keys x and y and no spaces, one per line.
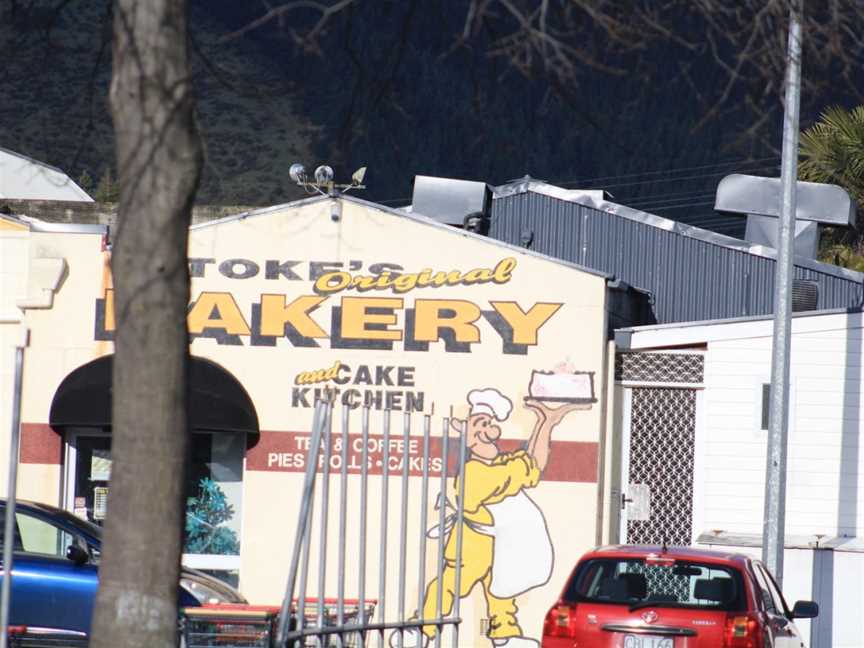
{"x":647,"y":641}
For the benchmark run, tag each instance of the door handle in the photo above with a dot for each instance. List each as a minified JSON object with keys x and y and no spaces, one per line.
{"x":625,"y":500}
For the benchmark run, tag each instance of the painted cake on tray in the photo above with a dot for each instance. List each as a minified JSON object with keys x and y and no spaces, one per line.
{"x":563,"y":385}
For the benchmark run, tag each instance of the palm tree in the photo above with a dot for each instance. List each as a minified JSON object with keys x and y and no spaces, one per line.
{"x":832,"y":151}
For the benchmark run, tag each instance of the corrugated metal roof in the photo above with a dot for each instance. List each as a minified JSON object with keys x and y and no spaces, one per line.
{"x":414,"y":216}
{"x":693,"y":274}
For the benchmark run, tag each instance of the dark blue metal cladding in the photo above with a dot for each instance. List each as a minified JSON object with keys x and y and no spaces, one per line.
{"x":690,"y":279}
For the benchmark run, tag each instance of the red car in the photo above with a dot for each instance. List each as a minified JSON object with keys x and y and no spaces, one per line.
{"x":653,"y":597}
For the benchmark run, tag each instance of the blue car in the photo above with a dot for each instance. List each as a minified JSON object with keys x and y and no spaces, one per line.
{"x":55,"y":572}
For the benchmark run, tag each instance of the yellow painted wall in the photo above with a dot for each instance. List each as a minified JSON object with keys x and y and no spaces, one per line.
{"x":575,"y":333}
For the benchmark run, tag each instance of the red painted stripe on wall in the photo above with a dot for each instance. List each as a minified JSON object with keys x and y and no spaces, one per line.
{"x":40,"y":444}
{"x":569,"y":461}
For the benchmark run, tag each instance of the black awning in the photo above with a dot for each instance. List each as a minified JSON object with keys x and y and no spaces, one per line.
{"x":217,"y":400}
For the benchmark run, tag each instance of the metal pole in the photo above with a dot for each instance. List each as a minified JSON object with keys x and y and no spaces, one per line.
{"x":775,"y":482}
{"x":304,"y":566}
{"x":303,"y":521}
{"x":9,"y":528}
{"x":460,"y":517}
{"x":403,"y":525}
{"x":424,"y":514}
{"x":325,"y":513}
{"x":442,"y":537}
{"x":382,"y":542}
{"x":343,"y":514}
{"x":364,"y":479}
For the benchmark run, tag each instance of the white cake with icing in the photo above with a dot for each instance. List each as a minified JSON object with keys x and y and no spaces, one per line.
{"x":562,"y":386}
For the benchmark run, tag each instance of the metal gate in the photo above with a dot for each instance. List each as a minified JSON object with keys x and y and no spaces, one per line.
{"x":367,"y":620}
{"x":662,"y":433}
{"x":659,"y":449}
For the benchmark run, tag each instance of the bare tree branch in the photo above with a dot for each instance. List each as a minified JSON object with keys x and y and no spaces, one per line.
{"x":326,"y":11}
{"x":744,"y":40}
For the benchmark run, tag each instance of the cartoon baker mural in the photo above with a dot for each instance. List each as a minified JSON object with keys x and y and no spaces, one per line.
{"x":506,"y":546}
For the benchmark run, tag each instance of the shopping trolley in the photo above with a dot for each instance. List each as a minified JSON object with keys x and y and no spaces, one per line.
{"x":254,"y":626}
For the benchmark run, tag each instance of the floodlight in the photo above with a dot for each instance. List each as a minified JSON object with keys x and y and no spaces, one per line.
{"x":297,"y":172}
{"x":323,"y":174}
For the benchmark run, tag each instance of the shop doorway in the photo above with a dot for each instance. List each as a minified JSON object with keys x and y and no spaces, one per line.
{"x":87,"y":468}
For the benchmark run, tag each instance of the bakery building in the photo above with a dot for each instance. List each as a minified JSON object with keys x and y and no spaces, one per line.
{"x":389,"y":309}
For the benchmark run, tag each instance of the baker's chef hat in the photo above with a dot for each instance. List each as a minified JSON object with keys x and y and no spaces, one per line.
{"x":490,"y":401}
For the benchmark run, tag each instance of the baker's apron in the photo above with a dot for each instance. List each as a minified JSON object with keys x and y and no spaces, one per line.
{"x":522,"y":553}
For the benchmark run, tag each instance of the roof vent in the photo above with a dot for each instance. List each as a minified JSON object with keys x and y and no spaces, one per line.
{"x":760,"y":199}
{"x":805,"y":295}
{"x":450,"y":201}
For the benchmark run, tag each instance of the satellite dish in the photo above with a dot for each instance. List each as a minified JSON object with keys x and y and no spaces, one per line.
{"x":359,"y":174}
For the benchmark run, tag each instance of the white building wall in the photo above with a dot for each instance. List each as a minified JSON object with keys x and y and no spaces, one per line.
{"x":824,"y":493}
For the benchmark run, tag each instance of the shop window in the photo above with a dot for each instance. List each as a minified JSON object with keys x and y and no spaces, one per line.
{"x":214,"y":494}
{"x":214,"y":498}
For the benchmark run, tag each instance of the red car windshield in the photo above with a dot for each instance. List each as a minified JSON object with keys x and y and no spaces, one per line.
{"x":639,"y":583}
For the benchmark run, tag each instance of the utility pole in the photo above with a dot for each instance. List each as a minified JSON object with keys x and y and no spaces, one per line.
{"x":773,"y":536}
{"x":9,"y":521}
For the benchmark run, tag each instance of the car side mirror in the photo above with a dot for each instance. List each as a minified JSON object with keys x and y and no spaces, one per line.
{"x":805,"y":610}
{"x":77,"y":555}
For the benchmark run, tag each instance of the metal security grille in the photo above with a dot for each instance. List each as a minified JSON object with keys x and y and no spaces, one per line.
{"x":662,"y":431}
{"x":660,"y":367}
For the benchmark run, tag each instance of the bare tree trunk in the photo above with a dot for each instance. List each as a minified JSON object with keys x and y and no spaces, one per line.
{"x":159,"y":157}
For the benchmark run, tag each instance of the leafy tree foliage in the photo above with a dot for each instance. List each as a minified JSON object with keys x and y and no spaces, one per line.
{"x":85,"y":181}
{"x":832,"y":151}
{"x":107,"y":190}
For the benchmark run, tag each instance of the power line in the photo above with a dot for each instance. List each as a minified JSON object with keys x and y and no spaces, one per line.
{"x":669,"y":201}
{"x":660,"y":197}
{"x":655,"y":196}
{"x":679,"y":179}
{"x":676,"y":170}
{"x":707,"y":222}
{"x":742,"y":162}
{"x":699,"y":204}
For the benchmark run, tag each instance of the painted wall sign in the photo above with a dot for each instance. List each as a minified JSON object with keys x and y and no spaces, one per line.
{"x":361,"y":322}
{"x":569,"y":461}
